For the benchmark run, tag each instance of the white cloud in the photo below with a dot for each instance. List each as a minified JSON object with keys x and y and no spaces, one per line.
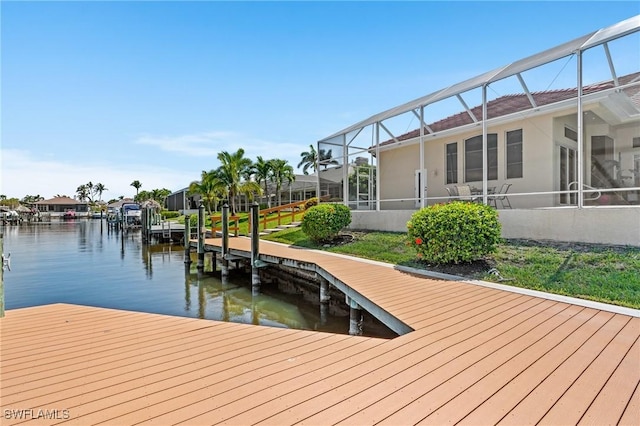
{"x":196,"y":145}
{"x":209,"y":144}
{"x":24,"y":174}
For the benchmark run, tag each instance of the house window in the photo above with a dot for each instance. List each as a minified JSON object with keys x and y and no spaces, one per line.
{"x":473,"y":158}
{"x":636,"y":142}
{"x":452,"y":162}
{"x":571,"y":134}
{"x":514,"y":154}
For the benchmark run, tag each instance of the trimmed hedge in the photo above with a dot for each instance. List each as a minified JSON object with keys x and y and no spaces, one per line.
{"x":310,"y":203}
{"x":454,"y":232}
{"x":169,"y":214}
{"x":324,"y":221}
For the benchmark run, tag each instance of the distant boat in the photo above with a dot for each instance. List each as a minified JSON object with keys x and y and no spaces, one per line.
{"x":69,"y":214}
{"x":131,"y":214}
{"x":96,"y":215}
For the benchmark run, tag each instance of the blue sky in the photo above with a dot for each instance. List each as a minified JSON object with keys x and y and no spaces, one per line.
{"x":114,"y":92}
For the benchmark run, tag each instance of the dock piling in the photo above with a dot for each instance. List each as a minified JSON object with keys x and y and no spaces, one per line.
{"x":355,"y":317}
{"x":187,"y":238}
{"x":2,"y":276}
{"x":225,"y":240}
{"x":201,"y":231}
{"x":255,"y":248}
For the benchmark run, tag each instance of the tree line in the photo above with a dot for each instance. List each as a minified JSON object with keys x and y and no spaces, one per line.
{"x":237,"y":175}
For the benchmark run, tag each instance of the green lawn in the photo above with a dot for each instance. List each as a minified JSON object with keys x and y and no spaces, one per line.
{"x":604,"y":274}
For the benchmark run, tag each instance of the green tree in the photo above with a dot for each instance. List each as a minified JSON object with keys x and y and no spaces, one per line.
{"x":262,"y":172}
{"x":281,"y":171}
{"x":137,"y":185}
{"x":232,"y":165}
{"x":210,"y":187}
{"x":83,"y":192}
{"x":30,"y":199}
{"x":309,"y":160}
{"x":99,"y":188}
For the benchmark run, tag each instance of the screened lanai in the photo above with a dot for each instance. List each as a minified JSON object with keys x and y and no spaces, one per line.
{"x":559,"y":129}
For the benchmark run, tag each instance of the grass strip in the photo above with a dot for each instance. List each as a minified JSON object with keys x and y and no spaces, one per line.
{"x":600,"y":273}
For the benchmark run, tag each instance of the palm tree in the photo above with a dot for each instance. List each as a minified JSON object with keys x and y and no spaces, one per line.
{"x":99,"y":188}
{"x":262,"y":171}
{"x":309,"y":159}
{"x":281,"y":171}
{"x":231,"y":168}
{"x":83,"y":192}
{"x":210,"y":187}
{"x":312,"y":159}
{"x":137,"y":185}
{"x":323,"y":156}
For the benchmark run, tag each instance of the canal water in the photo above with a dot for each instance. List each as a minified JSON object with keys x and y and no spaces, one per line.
{"x":84,"y":262}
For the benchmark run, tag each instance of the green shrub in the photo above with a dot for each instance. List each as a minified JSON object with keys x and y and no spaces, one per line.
{"x":454,"y":232}
{"x":193,"y":220}
{"x":169,"y":214}
{"x":324,"y":221}
{"x":310,"y":203}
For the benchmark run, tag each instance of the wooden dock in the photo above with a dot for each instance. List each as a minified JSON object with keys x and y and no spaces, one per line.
{"x":476,"y":355}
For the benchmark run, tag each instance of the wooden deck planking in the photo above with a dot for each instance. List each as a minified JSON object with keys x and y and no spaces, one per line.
{"x":609,"y":406}
{"x":382,"y":377}
{"x":477,"y":355}
{"x":412,"y":395}
{"x":542,"y":399}
{"x":201,"y":380}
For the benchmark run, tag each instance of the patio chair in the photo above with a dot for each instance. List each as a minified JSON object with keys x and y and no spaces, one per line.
{"x":452,"y":193}
{"x":464,"y":193}
{"x":501,"y":195}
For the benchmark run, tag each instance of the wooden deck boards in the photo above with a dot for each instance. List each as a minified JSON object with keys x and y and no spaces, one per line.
{"x":478,"y":355}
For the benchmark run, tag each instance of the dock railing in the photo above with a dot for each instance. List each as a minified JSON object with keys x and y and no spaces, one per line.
{"x":277,"y":214}
{"x":216,"y":224}
{"x":267,"y":218}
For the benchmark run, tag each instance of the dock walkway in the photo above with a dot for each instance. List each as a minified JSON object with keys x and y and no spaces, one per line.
{"x":476,"y":355}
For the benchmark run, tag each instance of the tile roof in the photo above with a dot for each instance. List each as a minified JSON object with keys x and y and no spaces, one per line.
{"x":60,"y":201}
{"x":510,"y":104}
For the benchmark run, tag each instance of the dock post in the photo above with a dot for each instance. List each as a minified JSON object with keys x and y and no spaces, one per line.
{"x":324,"y":300}
{"x":324,"y":290}
{"x":255,"y":249}
{"x":225,"y":240}
{"x":201,"y":231}
{"x":187,"y":240}
{"x":355,"y":317}
{"x":2,"y":276}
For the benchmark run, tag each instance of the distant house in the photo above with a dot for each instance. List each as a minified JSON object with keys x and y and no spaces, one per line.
{"x":181,"y":201}
{"x":566,"y":152}
{"x":57,"y":206}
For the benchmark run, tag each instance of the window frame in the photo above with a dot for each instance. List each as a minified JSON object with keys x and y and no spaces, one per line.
{"x":494,"y":168}
{"x":453,"y":173}
{"x":506,"y":154}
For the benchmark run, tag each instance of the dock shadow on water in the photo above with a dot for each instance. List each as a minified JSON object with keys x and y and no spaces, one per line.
{"x":83,"y":262}
{"x":281,"y":303}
